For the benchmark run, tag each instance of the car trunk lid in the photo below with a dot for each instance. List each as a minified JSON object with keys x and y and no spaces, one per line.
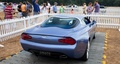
{"x":50,"y":35}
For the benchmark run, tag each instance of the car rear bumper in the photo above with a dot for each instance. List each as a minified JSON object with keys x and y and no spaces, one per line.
{"x":72,"y":51}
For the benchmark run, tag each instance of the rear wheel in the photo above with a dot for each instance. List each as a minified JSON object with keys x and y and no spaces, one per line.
{"x":86,"y":54}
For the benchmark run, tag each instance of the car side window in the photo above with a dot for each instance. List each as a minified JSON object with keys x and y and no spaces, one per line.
{"x":74,"y":22}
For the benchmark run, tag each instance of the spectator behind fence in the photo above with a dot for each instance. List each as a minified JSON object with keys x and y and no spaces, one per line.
{"x":84,"y":8}
{"x":19,"y":10}
{"x":55,"y":7}
{"x":9,"y":11}
{"x":24,"y":9}
{"x":4,"y":6}
{"x":48,"y":6}
{"x":44,"y":8}
{"x":29,"y":8}
{"x":36,"y":7}
{"x":96,"y":7}
{"x":89,"y":8}
{"x":61,"y":9}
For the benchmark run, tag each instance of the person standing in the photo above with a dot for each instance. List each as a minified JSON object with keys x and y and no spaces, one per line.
{"x":48,"y":5}
{"x":89,"y":8}
{"x":55,"y":7}
{"x":96,"y":7}
{"x":44,"y":8}
{"x":19,"y":10}
{"x":84,"y":8}
{"x":4,"y":6}
{"x":29,"y":8}
{"x":61,"y":9}
{"x":24,"y":9}
{"x":36,"y":7}
{"x":8,"y":11}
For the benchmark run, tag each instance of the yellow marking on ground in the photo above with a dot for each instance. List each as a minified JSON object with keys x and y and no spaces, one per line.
{"x":106,"y":35}
{"x":106,"y":45}
{"x":105,"y":42}
{"x":106,"y":39}
{"x":105,"y":48}
{"x":8,"y":57}
{"x":104,"y":62}
{"x":104,"y":56}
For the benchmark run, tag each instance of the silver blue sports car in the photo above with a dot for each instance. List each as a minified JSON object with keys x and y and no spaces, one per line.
{"x":61,"y":35}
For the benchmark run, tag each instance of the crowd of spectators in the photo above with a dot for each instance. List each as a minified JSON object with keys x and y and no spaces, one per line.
{"x":26,"y":8}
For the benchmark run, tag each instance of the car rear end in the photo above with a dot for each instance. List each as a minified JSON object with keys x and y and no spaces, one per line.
{"x":49,"y":45}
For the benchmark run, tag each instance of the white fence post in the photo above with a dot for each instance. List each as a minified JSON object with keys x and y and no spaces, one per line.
{"x":25,"y":24}
{"x":29,"y":21}
{"x":119,"y":28}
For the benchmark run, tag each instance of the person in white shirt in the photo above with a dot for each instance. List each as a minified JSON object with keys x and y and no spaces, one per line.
{"x":48,"y":6}
{"x":44,"y":8}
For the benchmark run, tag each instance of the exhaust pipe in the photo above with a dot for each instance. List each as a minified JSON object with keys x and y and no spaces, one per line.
{"x":63,"y":56}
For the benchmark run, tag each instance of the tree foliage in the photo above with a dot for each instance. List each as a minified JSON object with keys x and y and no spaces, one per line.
{"x":67,"y":2}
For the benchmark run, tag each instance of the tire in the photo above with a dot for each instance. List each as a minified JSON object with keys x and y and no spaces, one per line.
{"x":86,"y":54}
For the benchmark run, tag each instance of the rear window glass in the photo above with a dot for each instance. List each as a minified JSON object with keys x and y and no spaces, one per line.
{"x":65,"y":23}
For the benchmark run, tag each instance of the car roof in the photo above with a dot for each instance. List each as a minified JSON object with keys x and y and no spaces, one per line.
{"x":69,"y":16}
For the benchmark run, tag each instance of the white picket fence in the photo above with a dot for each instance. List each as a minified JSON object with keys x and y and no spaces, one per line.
{"x":106,"y":21}
{"x":14,"y":27}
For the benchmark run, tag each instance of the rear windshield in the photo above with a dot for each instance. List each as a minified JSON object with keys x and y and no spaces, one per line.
{"x":65,"y":23}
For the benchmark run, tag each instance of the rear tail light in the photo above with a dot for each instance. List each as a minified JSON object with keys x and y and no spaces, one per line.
{"x":25,"y":36}
{"x":67,"y":40}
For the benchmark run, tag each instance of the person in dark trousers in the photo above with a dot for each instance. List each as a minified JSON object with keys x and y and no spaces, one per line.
{"x":36,"y":7}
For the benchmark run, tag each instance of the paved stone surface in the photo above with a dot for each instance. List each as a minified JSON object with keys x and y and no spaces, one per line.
{"x":96,"y":53}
